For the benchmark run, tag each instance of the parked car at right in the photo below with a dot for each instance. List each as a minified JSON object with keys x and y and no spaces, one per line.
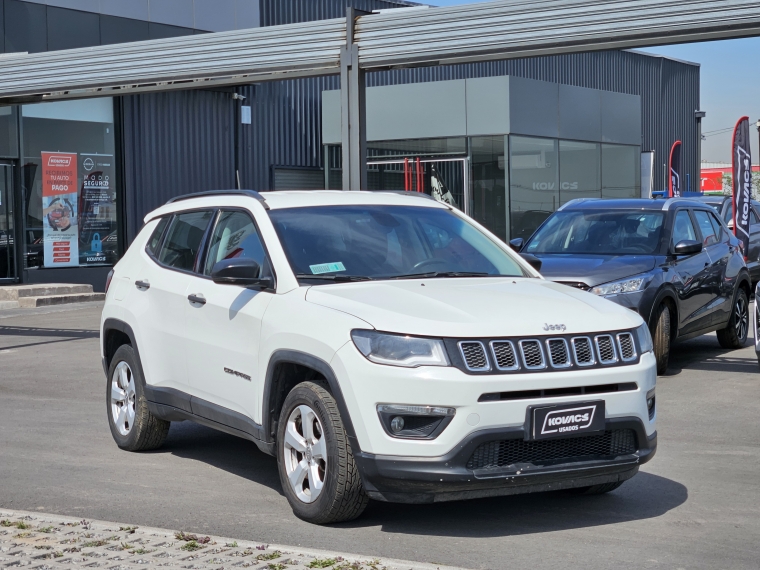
{"x":674,"y":262}
{"x":724,"y":205}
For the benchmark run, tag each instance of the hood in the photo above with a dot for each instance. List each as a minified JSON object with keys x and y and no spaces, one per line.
{"x":593,"y":270}
{"x":473,"y":307}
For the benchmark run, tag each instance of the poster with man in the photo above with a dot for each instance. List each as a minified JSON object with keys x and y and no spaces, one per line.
{"x":59,"y":209}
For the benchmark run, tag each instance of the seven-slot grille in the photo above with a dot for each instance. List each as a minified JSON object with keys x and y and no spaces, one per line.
{"x":543,"y":353}
{"x":474,"y":354}
{"x":508,"y":452}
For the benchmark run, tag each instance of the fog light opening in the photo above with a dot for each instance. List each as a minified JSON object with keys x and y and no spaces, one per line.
{"x":397,"y":424}
{"x":651,"y":403}
{"x":414,"y":422}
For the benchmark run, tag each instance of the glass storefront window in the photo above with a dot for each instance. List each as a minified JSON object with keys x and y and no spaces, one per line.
{"x":621,"y":171}
{"x":69,"y":183}
{"x":533,"y":183}
{"x":488,"y":202}
{"x":8,"y":133}
{"x":580,"y":173}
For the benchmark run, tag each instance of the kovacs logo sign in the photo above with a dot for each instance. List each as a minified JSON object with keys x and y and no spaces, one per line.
{"x":552,"y":186}
{"x":59,"y":161}
{"x":574,"y":419}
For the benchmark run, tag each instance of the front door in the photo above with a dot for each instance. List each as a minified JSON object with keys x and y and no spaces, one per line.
{"x":8,"y":241}
{"x":693,"y":282}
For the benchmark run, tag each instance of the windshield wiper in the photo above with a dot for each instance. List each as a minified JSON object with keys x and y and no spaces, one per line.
{"x":436,"y":274}
{"x":338,"y":278}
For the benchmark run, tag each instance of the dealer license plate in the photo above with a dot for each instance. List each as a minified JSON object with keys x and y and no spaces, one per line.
{"x":565,"y":420}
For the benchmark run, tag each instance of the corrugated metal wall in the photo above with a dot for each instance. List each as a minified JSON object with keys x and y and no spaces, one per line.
{"x":175,"y":143}
{"x":179,"y":142}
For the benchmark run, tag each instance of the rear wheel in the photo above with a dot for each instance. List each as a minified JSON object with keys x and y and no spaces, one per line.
{"x":316,"y":465}
{"x":661,"y":337}
{"x":735,"y":333}
{"x":132,"y":425}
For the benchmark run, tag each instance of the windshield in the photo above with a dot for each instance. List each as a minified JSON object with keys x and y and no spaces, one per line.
{"x":622,"y":232}
{"x":384,"y":242}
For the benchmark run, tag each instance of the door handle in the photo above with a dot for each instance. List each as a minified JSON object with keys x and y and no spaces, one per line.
{"x":142,"y":284}
{"x":199,"y":299}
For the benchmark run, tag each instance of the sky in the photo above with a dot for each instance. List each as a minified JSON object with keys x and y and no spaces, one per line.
{"x":730,"y":87}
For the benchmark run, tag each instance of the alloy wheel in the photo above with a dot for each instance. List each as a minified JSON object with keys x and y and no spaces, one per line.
{"x":742,"y":318}
{"x":305,"y":452}
{"x":123,"y":398}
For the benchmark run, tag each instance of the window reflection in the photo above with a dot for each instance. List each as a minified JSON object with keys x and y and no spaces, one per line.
{"x":533,"y":183}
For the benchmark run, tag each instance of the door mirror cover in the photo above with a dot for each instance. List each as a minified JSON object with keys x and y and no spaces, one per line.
{"x":239,"y":271}
{"x":532,"y":260}
{"x":516,"y":244}
{"x":687,"y":247}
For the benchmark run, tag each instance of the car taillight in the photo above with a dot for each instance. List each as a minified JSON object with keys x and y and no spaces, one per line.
{"x":108,"y":280}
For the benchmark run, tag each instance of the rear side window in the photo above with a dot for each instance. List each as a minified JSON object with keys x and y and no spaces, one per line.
{"x":706,"y":227}
{"x":235,"y":236}
{"x":720,"y":231}
{"x":183,"y":240}
{"x":155,"y":238}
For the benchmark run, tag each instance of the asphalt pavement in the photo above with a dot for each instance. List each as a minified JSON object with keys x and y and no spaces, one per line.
{"x":695,"y":505}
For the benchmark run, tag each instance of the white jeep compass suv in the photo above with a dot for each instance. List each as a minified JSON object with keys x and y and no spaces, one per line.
{"x":381,"y":345}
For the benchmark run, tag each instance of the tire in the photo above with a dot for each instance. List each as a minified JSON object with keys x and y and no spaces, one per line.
{"x":326,"y":464}
{"x":737,"y":329}
{"x":132,"y":425}
{"x":597,"y":489}
{"x":661,"y":336}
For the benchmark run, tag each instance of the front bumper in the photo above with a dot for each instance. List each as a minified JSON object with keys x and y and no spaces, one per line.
{"x":447,"y":478}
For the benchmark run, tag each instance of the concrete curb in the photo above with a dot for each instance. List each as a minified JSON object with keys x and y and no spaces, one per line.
{"x":95,"y":543}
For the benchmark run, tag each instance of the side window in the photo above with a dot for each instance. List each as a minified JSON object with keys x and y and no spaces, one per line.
{"x":235,"y":235}
{"x":683,"y":228}
{"x":720,"y":231}
{"x":752,"y":217}
{"x":706,"y":227}
{"x":155,"y":237}
{"x":728,"y":216}
{"x":183,"y":240}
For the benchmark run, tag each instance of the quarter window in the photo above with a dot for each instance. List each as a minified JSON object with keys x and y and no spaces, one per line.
{"x":235,"y":235}
{"x":683,"y":228}
{"x":709,"y":236}
{"x":155,"y":238}
{"x":183,"y":240}
{"x":720,"y":231}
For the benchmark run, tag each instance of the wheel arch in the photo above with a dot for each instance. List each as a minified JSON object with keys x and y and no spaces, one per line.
{"x":286,"y":369}
{"x":668,"y":296}
{"x":117,"y":333}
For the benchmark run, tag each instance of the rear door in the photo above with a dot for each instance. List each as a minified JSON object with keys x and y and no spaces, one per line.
{"x":161,"y":299}
{"x":715,"y":240}
{"x":224,"y":328}
{"x":692,"y":277}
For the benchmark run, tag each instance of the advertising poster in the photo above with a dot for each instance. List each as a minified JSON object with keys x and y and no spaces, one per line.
{"x":675,"y":170}
{"x":59,"y":209}
{"x":742,"y":182}
{"x":97,"y":210}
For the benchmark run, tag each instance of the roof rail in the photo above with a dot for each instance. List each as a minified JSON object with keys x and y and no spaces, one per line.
{"x":574,"y":202}
{"x":249,"y":193}
{"x":409,"y":193}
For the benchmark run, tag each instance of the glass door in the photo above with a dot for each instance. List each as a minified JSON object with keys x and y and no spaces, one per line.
{"x":7,"y":234}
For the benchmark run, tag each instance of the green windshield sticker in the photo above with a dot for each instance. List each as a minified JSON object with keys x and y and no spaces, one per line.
{"x":327,"y":268}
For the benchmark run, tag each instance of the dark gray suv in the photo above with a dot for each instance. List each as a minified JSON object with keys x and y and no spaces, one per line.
{"x":673,"y":261}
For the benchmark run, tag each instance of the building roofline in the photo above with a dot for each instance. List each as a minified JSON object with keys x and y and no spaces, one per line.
{"x":650,"y":54}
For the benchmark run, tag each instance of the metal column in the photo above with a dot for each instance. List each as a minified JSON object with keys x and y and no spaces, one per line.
{"x":353,"y":110}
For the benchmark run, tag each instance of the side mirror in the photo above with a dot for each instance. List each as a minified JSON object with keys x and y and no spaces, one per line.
{"x":516,"y":244}
{"x":239,"y":271}
{"x":687,"y":247}
{"x":532,"y":260}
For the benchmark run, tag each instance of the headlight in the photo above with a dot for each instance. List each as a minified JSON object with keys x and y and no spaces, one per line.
{"x":398,"y":350}
{"x":645,"y":339}
{"x":630,"y":285}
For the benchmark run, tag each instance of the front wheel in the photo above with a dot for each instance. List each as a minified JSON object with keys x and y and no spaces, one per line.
{"x":735,"y":334}
{"x":317,"y":469}
{"x":661,"y":338}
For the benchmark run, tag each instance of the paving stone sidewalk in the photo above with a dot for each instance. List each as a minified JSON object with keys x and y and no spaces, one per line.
{"x":51,"y":542}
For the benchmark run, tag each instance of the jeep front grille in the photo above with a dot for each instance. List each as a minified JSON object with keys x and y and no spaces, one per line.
{"x":627,"y":348}
{"x":505,"y":355}
{"x":474,"y":354}
{"x":508,"y":452}
{"x":584,"y":352}
{"x":606,"y":348}
{"x":559,"y":356}
{"x":533,"y":356}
